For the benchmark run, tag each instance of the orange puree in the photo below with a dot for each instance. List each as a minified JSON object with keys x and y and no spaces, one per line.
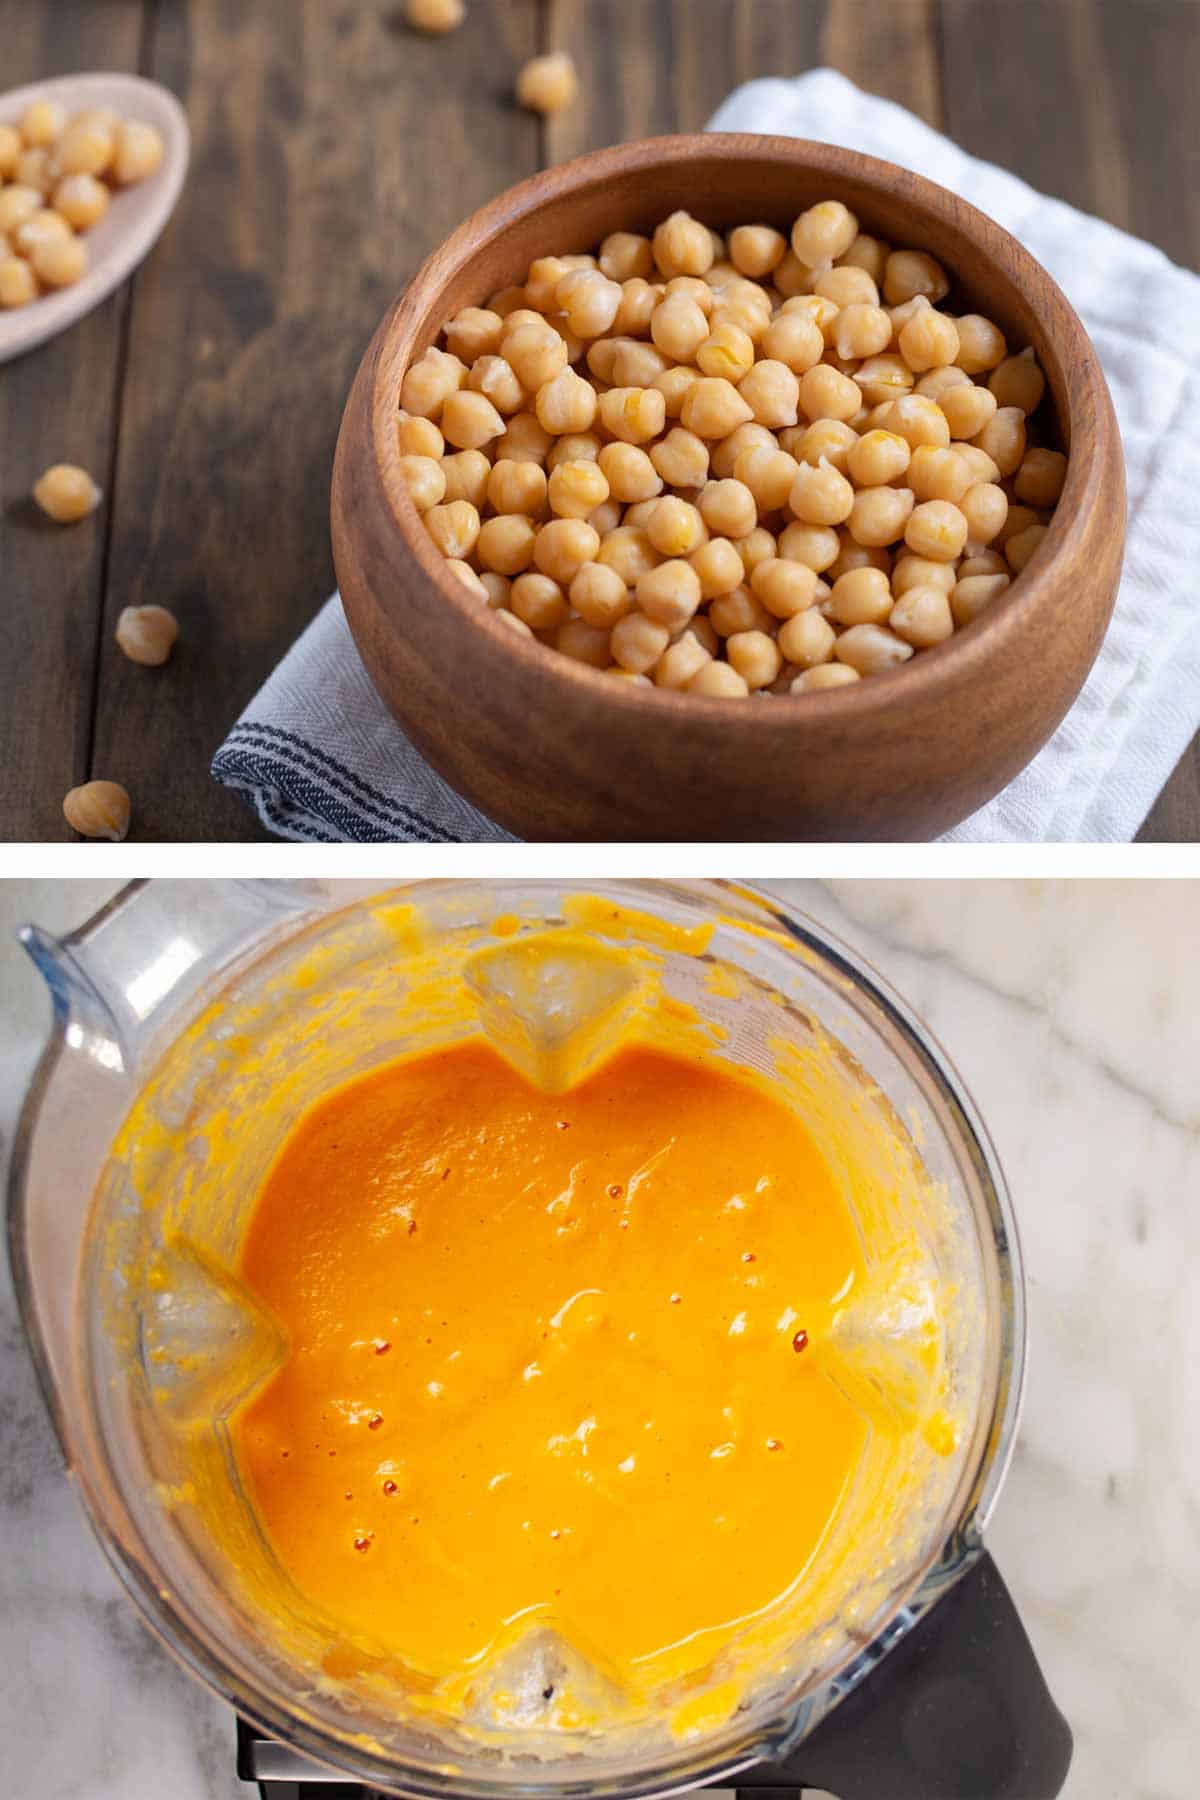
{"x":547,"y":1358}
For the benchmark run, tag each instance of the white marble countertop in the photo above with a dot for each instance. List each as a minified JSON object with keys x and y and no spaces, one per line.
{"x":1071,"y":1011}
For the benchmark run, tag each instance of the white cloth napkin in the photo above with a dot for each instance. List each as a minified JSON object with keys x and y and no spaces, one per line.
{"x":319,"y":757}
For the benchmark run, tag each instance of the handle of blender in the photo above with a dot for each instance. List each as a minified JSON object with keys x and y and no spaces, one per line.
{"x":958,"y":1710}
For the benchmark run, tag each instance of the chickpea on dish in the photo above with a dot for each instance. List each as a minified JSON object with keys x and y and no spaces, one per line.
{"x":733,"y":465}
{"x":56,"y":180}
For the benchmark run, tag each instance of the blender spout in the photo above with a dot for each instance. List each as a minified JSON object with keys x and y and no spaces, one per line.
{"x":81,"y":1010}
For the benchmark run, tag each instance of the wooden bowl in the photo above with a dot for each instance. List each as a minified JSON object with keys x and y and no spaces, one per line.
{"x":553,"y":749}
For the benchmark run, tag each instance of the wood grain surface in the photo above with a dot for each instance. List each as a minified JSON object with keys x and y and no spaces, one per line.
{"x":332,"y":150}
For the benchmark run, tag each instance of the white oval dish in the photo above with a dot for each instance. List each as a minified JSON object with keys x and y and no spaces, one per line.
{"x":137,"y":214}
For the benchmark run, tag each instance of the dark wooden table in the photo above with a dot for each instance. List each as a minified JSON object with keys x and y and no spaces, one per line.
{"x":333,"y":149}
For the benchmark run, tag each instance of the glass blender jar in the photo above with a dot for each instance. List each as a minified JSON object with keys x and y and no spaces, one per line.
{"x":195,"y":1022}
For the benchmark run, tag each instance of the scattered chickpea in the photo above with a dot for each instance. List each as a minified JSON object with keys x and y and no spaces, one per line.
{"x":727,"y":466}
{"x":147,"y":634}
{"x":547,"y":84}
{"x":66,"y":493}
{"x":98,"y":809}
{"x":434,"y":16}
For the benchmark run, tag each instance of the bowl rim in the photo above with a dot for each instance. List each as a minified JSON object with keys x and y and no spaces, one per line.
{"x":946,"y":667}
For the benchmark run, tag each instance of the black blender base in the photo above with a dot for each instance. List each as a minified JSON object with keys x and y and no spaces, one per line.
{"x":957,"y":1711}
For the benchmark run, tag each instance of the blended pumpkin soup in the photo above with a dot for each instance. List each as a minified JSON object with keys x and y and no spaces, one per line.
{"x":553,"y":1359}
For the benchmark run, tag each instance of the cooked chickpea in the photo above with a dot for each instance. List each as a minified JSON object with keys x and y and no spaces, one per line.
{"x":737,"y":611}
{"x":547,"y":84}
{"x":861,"y":597}
{"x":81,"y":200}
{"x":918,"y":421}
{"x":675,"y":527}
{"x":505,"y":543}
{"x":11,"y":145}
{"x":584,"y":643}
{"x":719,"y":681}
{"x":469,"y":420}
{"x":728,"y":508}
{"x":454,"y":528}
{"x":981,"y":344}
{"x":772,"y":392}
{"x":576,"y":489}
{"x":713,"y":407}
{"x":826,"y":675}
{"x":474,"y":332}
{"x":719,"y":568}
{"x":626,"y":254}
{"x":18,"y":203}
{"x":498,"y":589}
{"x":430,"y":381}
{"x":829,"y":439}
{"x":419,"y":437}
{"x":629,"y":551}
{"x":861,"y":331}
{"x":517,"y":487}
{"x":681,"y":662}
{"x":525,"y":440}
{"x":41,"y":123}
{"x":929,"y":340}
{"x":747,"y":436}
{"x":971,"y":595}
{"x":768,"y":474}
{"x":630,"y":474}
{"x":466,"y":474}
{"x":848,"y":286}
{"x":823,"y":233}
{"x":1020,"y":547}
{"x":681,"y":458}
{"x":755,"y":656}
{"x":793,"y":277}
{"x":922,"y":617}
{"x":599,"y":595}
{"x":639,"y":298}
{"x":853,"y":555}
{"x":727,"y":351}
{"x":565,"y":403}
{"x":755,"y":250}
{"x":637,"y":642}
{"x":967,"y":409}
{"x":784,"y":587}
{"x":682,"y":246}
{"x":66,"y":493}
{"x":1018,"y":381}
{"x":869,"y":253}
{"x":1039,"y":480}
{"x":425,"y":480}
{"x":807,"y":639}
{"x":877,"y":457}
{"x":674,"y":385}
{"x":937,"y":474}
{"x":678,"y":327}
{"x":669,"y":593}
{"x":937,"y":530}
{"x":637,"y":365}
{"x":883,"y":378}
{"x":147,"y":634}
{"x":539,"y":602}
{"x":795,"y":341}
{"x":59,"y":262}
{"x":983,"y":562}
{"x":507,"y":301}
{"x":1003,"y":439}
{"x":434,"y":16}
{"x":589,"y":301}
{"x":825,"y":394}
{"x":918,"y":571}
{"x":18,"y":283}
{"x":535,"y":352}
{"x":871,"y":649}
{"x":633,"y":415}
{"x":138,"y":152}
{"x":757,"y":546}
{"x":496,"y":380}
{"x":879,"y":516}
{"x":98,"y":809}
{"x":816,"y":545}
{"x":911,"y":273}
{"x":985,"y":508}
{"x":563,"y":546}
{"x":820,"y":494}
{"x":978,"y":461}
